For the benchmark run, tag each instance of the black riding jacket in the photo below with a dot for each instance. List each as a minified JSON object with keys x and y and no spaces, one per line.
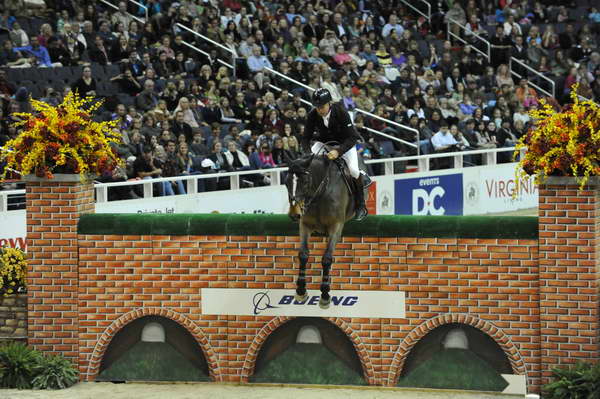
{"x":340,"y":129}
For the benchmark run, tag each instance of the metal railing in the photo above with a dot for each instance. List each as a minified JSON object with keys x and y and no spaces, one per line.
{"x":132,"y":16}
{"x":219,"y":45}
{"x":426,"y":14}
{"x":536,"y":73}
{"x":392,"y":138}
{"x":141,"y":6}
{"x":369,"y":114}
{"x":489,"y":157}
{"x":484,"y":41}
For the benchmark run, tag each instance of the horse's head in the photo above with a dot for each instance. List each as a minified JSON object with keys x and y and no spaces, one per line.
{"x":301,"y":182}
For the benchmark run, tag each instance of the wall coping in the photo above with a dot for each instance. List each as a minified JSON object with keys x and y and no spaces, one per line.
{"x":509,"y":227}
{"x":58,"y":177}
{"x":593,"y":181}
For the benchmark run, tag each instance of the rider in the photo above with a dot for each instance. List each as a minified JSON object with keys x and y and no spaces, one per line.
{"x":329,"y":121}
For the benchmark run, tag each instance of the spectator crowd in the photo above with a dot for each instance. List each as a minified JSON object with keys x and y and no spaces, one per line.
{"x":185,"y":106}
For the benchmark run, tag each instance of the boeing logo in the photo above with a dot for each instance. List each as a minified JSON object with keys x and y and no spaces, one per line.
{"x":261,"y":301}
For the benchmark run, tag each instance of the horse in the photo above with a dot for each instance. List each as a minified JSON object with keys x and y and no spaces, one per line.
{"x":324,"y":201}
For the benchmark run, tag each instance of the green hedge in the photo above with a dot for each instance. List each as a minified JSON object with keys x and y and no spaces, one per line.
{"x":510,"y":227}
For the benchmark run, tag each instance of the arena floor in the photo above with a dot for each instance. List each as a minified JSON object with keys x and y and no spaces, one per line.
{"x":92,"y":390}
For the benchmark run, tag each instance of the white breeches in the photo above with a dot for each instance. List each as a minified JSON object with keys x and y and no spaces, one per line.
{"x":350,"y":157}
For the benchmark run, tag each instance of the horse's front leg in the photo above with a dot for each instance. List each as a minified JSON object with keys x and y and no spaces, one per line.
{"x":334,"y":236}
{"x":303,"y":254}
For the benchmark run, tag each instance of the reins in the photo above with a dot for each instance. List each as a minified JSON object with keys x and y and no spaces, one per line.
{"x":321,"y":186}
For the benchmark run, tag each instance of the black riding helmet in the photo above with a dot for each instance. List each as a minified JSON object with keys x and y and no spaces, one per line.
{"x":321,"y":97}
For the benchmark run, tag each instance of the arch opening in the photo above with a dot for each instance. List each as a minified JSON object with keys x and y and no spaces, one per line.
{"x":456,"y":356}
{"x":153,"y":348}
{"x":308,"y":350}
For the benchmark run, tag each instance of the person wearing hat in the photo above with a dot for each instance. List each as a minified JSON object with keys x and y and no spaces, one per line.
{"x":329,"y":121}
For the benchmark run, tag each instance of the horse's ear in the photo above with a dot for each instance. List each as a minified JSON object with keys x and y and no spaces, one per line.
{"x":300,"y":165}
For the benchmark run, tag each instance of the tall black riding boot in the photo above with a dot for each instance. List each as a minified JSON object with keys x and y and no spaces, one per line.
{"x":361,"y":210}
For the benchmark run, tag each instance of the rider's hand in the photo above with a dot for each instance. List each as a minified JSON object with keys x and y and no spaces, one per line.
{"x":333,"y":154}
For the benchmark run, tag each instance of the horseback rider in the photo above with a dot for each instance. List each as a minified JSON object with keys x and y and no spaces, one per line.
{"x":329,"y":121}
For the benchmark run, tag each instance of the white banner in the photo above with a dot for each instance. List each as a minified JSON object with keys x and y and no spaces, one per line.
{"x":269,"y":199}
{"x":13,"y":229}
{"x":281,"y":302}
{"x":490,"y":190}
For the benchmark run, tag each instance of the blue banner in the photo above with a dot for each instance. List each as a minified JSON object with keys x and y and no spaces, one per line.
{"x":431,"y":195}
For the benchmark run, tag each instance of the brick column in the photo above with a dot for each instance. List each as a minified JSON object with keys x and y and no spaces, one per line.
{"x":53,"y":210}
{"x":569,"y":223}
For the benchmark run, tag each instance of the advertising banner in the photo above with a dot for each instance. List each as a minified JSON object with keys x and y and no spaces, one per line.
{"x":14,"y":229}
{"x":490,"y":189}
{"x":281,"y":302}
{"x":430,"y":195}
{"x":270,"y":199}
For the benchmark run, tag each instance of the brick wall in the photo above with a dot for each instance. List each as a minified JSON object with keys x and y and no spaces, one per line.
{"x":537,"y":299}
{"x":489,"y":284}
{"x":53,"y":209}
{"x":569,"y":229}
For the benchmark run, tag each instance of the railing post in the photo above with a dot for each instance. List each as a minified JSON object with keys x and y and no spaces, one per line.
{"x":192,"y":186}
{"x":389,"y":167}
{"x":275,"y":178}
{"x":458,"y":160}
{"x":148,"y":189}
{"x":235,"y":182}
{"x":3,"y":202}
{"x":101,"y":194}
{"x":490,"y":158}
{"x":423,"y":164}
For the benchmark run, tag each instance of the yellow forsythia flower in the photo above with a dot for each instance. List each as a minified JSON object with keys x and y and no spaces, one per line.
{"x":62,"y":138}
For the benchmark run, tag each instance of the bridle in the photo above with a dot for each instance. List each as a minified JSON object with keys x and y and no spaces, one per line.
{"x":319,"y":191}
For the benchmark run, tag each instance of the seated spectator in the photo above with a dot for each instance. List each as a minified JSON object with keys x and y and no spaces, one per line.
{"x":86,"y":84}
{"x":146,"y":167}
{"x":98,"y":52}
{"x":443,"y":141}
{"x":38,"y":55}
{"x":147,"y":99}
{"x":172,"y":167}
{"x":265,"y":157}
{"x":128,"y":84}
{"x":257,"y":63}
{"x":17,"y":35}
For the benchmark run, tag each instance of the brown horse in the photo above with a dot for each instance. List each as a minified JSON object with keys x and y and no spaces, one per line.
{"x":323,"y":203}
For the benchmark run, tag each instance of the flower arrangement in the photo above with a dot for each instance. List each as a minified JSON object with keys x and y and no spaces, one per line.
{"x":13,"y":270}
{"x":563,"y":143}
{"x":62,"y":139}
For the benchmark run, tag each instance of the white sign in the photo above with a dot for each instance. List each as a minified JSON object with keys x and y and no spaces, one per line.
{"x":280,"y":302}
{"x":13,"y":229}
{"x":151,"y":205}
{"x":269,"y":199}
{"x":490,"y":189}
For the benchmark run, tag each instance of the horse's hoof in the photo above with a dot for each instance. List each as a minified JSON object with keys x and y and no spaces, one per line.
{"x":324,"y":303}
{"x":301,"y":298}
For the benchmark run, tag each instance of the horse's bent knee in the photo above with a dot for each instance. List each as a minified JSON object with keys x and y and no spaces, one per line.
{"x":303,"y":255}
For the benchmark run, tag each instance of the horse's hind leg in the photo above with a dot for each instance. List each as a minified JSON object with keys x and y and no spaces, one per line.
{"x":334,"y":236}
{"x":303,"y":256}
